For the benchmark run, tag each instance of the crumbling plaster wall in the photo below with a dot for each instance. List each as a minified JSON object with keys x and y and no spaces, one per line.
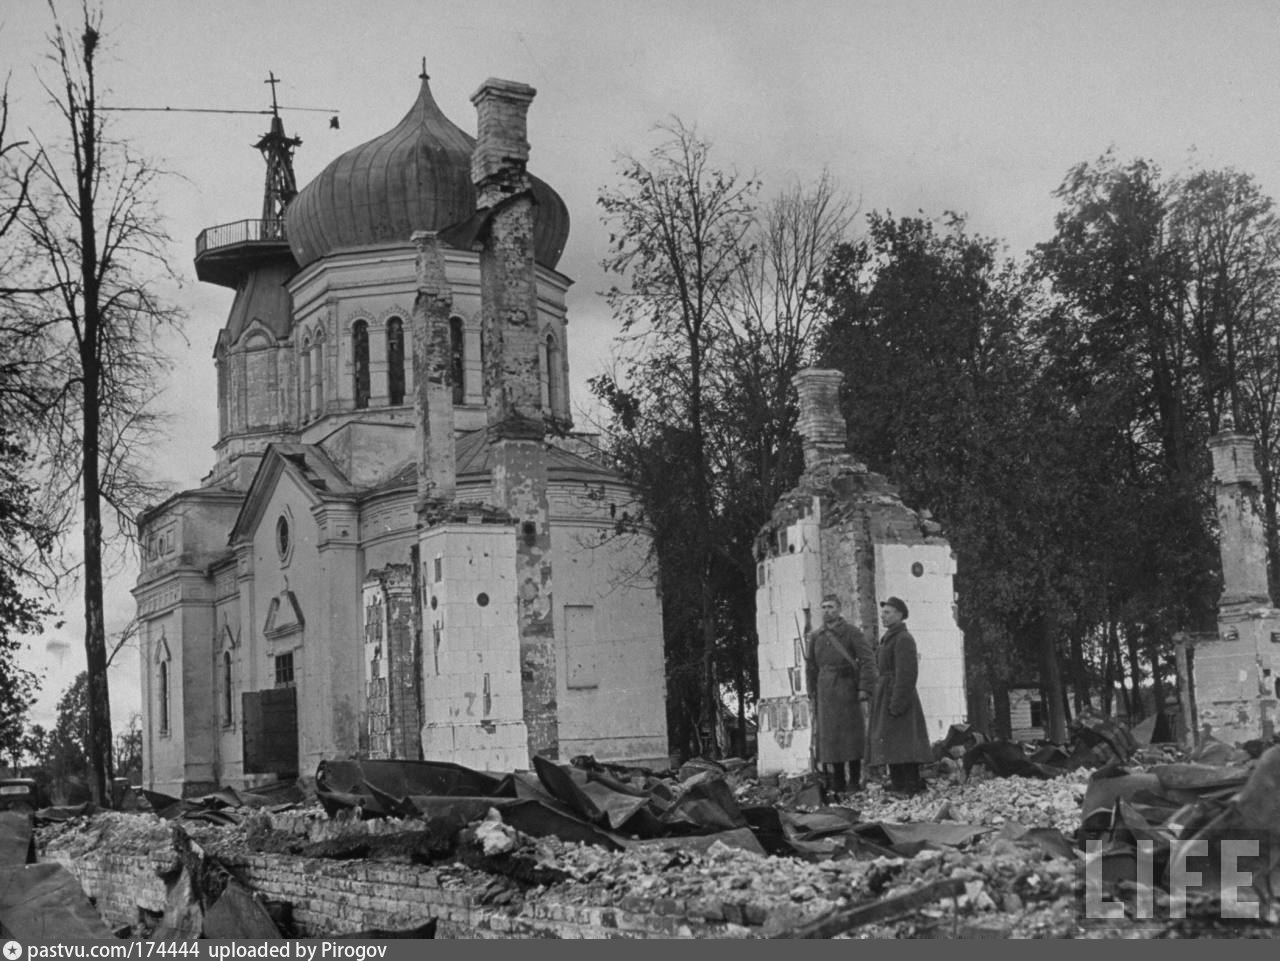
{"x":845,"y":531}
{"x":471,"y":669}
{"x":1235,"y":672}
{"x":608,"y":633}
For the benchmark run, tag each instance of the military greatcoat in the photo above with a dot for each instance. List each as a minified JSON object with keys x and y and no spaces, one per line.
{"x":839,"y":662}
{"x":898,"y":731}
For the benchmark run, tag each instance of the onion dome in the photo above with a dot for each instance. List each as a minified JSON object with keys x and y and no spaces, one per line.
{"x":416,"y":176}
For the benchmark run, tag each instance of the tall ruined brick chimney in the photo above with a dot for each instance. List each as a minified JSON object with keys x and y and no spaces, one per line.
{"x":513,"y":387}
{"x":432,"y":373}
{"x":1243,"y":542}
{"x":820,"y":423}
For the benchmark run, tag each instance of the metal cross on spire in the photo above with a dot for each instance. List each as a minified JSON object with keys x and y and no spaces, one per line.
{"x":273,"y":80}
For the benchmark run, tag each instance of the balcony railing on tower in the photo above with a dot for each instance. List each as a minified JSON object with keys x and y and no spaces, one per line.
{"x":240,"y":232}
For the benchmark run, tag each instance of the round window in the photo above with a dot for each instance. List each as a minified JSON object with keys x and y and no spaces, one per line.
{"x":482,"y":599}
{"x":917,"y":569}
{"x":282,"y":536}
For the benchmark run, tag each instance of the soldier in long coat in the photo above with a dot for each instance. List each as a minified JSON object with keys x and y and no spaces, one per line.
{"x":839,"y":676}
{"x":899,"y":736}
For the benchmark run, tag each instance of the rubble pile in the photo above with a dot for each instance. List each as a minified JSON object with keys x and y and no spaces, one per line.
{"x":977,"y":854}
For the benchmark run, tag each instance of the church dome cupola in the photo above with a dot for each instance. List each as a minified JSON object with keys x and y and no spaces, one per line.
{"x":416,"y":176}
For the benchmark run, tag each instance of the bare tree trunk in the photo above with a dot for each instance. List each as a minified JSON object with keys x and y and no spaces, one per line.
{"x":1003,"y":715}
{"x":1051,"y":682}
{"x":977,"y":698}
{"x":1079,"y":671}
{"x":95,"y":638}
{"x":1137,"y":710}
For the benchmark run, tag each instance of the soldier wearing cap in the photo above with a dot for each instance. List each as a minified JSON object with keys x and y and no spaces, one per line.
{"x":839,"y":676}
{"x":899,"y":737}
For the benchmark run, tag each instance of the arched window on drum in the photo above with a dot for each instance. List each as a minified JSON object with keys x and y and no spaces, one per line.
{"x":457,"y":359}
{"x":395,"y":361}
{"x":360,"y":362}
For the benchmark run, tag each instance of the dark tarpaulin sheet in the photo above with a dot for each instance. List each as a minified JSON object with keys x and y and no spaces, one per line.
{"x":39,"y":902}
{"x":403,"y":778}
{"x":535,"y":818}
{"x":66,"y":812}
{"x":15,"y":838}
{"x":1199,"y":777}
{"x":238,"y":914}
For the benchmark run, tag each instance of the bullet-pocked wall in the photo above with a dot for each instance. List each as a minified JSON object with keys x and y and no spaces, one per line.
{"x":472,"y":707}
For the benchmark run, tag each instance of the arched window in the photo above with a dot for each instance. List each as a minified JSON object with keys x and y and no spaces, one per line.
{"x":555,"y":375}
{"x":223,"y":398}
{"x":360,"y":361}
{"x":457,"y":359}
{"x":317,"y":377}
{"x":304,"y":378}
{"x":164,"y":697}
{"x":226,"y":688}
{"x":544,"y":372}
{"x":395,"y":361}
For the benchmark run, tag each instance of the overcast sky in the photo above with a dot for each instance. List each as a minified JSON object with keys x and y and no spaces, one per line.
{"x":978,"y":107}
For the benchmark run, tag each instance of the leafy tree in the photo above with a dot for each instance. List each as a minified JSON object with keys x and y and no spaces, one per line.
{"x":929,"y":324}
{"x":21,"y":533}
{"x":718,"y":312}
{"x":677,"y":231}
{"x":97,"y":250}
{"x":68,"y":761}
{"x":1148,"y":359}
{"x":24,"y":537}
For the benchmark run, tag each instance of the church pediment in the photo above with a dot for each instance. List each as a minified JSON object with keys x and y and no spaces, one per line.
{"x":284,"y":616}
{"x":310,"y":469}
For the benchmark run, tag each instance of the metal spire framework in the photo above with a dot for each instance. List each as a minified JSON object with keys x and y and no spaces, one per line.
{"x":281,"y":184}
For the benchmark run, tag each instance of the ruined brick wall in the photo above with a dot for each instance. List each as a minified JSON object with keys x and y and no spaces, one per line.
{"x":123,"y":861}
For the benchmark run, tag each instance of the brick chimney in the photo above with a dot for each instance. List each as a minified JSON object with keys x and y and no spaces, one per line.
{"x":502,"y":144}
{"x":513,"y":388}
{"x":508,"y":288}
{"x":820,"y":422}
{"x":433,"y":391}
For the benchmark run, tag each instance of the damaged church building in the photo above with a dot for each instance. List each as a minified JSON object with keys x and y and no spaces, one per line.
{"x":844,"y":530}
{"x":402,"y":549}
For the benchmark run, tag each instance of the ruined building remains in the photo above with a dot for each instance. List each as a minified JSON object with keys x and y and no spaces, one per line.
{"x":1233,"y":672}
{"x":845,"y":531}
{"x":402,"y":550}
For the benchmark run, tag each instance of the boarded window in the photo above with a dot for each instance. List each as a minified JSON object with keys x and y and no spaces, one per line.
{"x":271,"y":731}
{"x":581,"y":646}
